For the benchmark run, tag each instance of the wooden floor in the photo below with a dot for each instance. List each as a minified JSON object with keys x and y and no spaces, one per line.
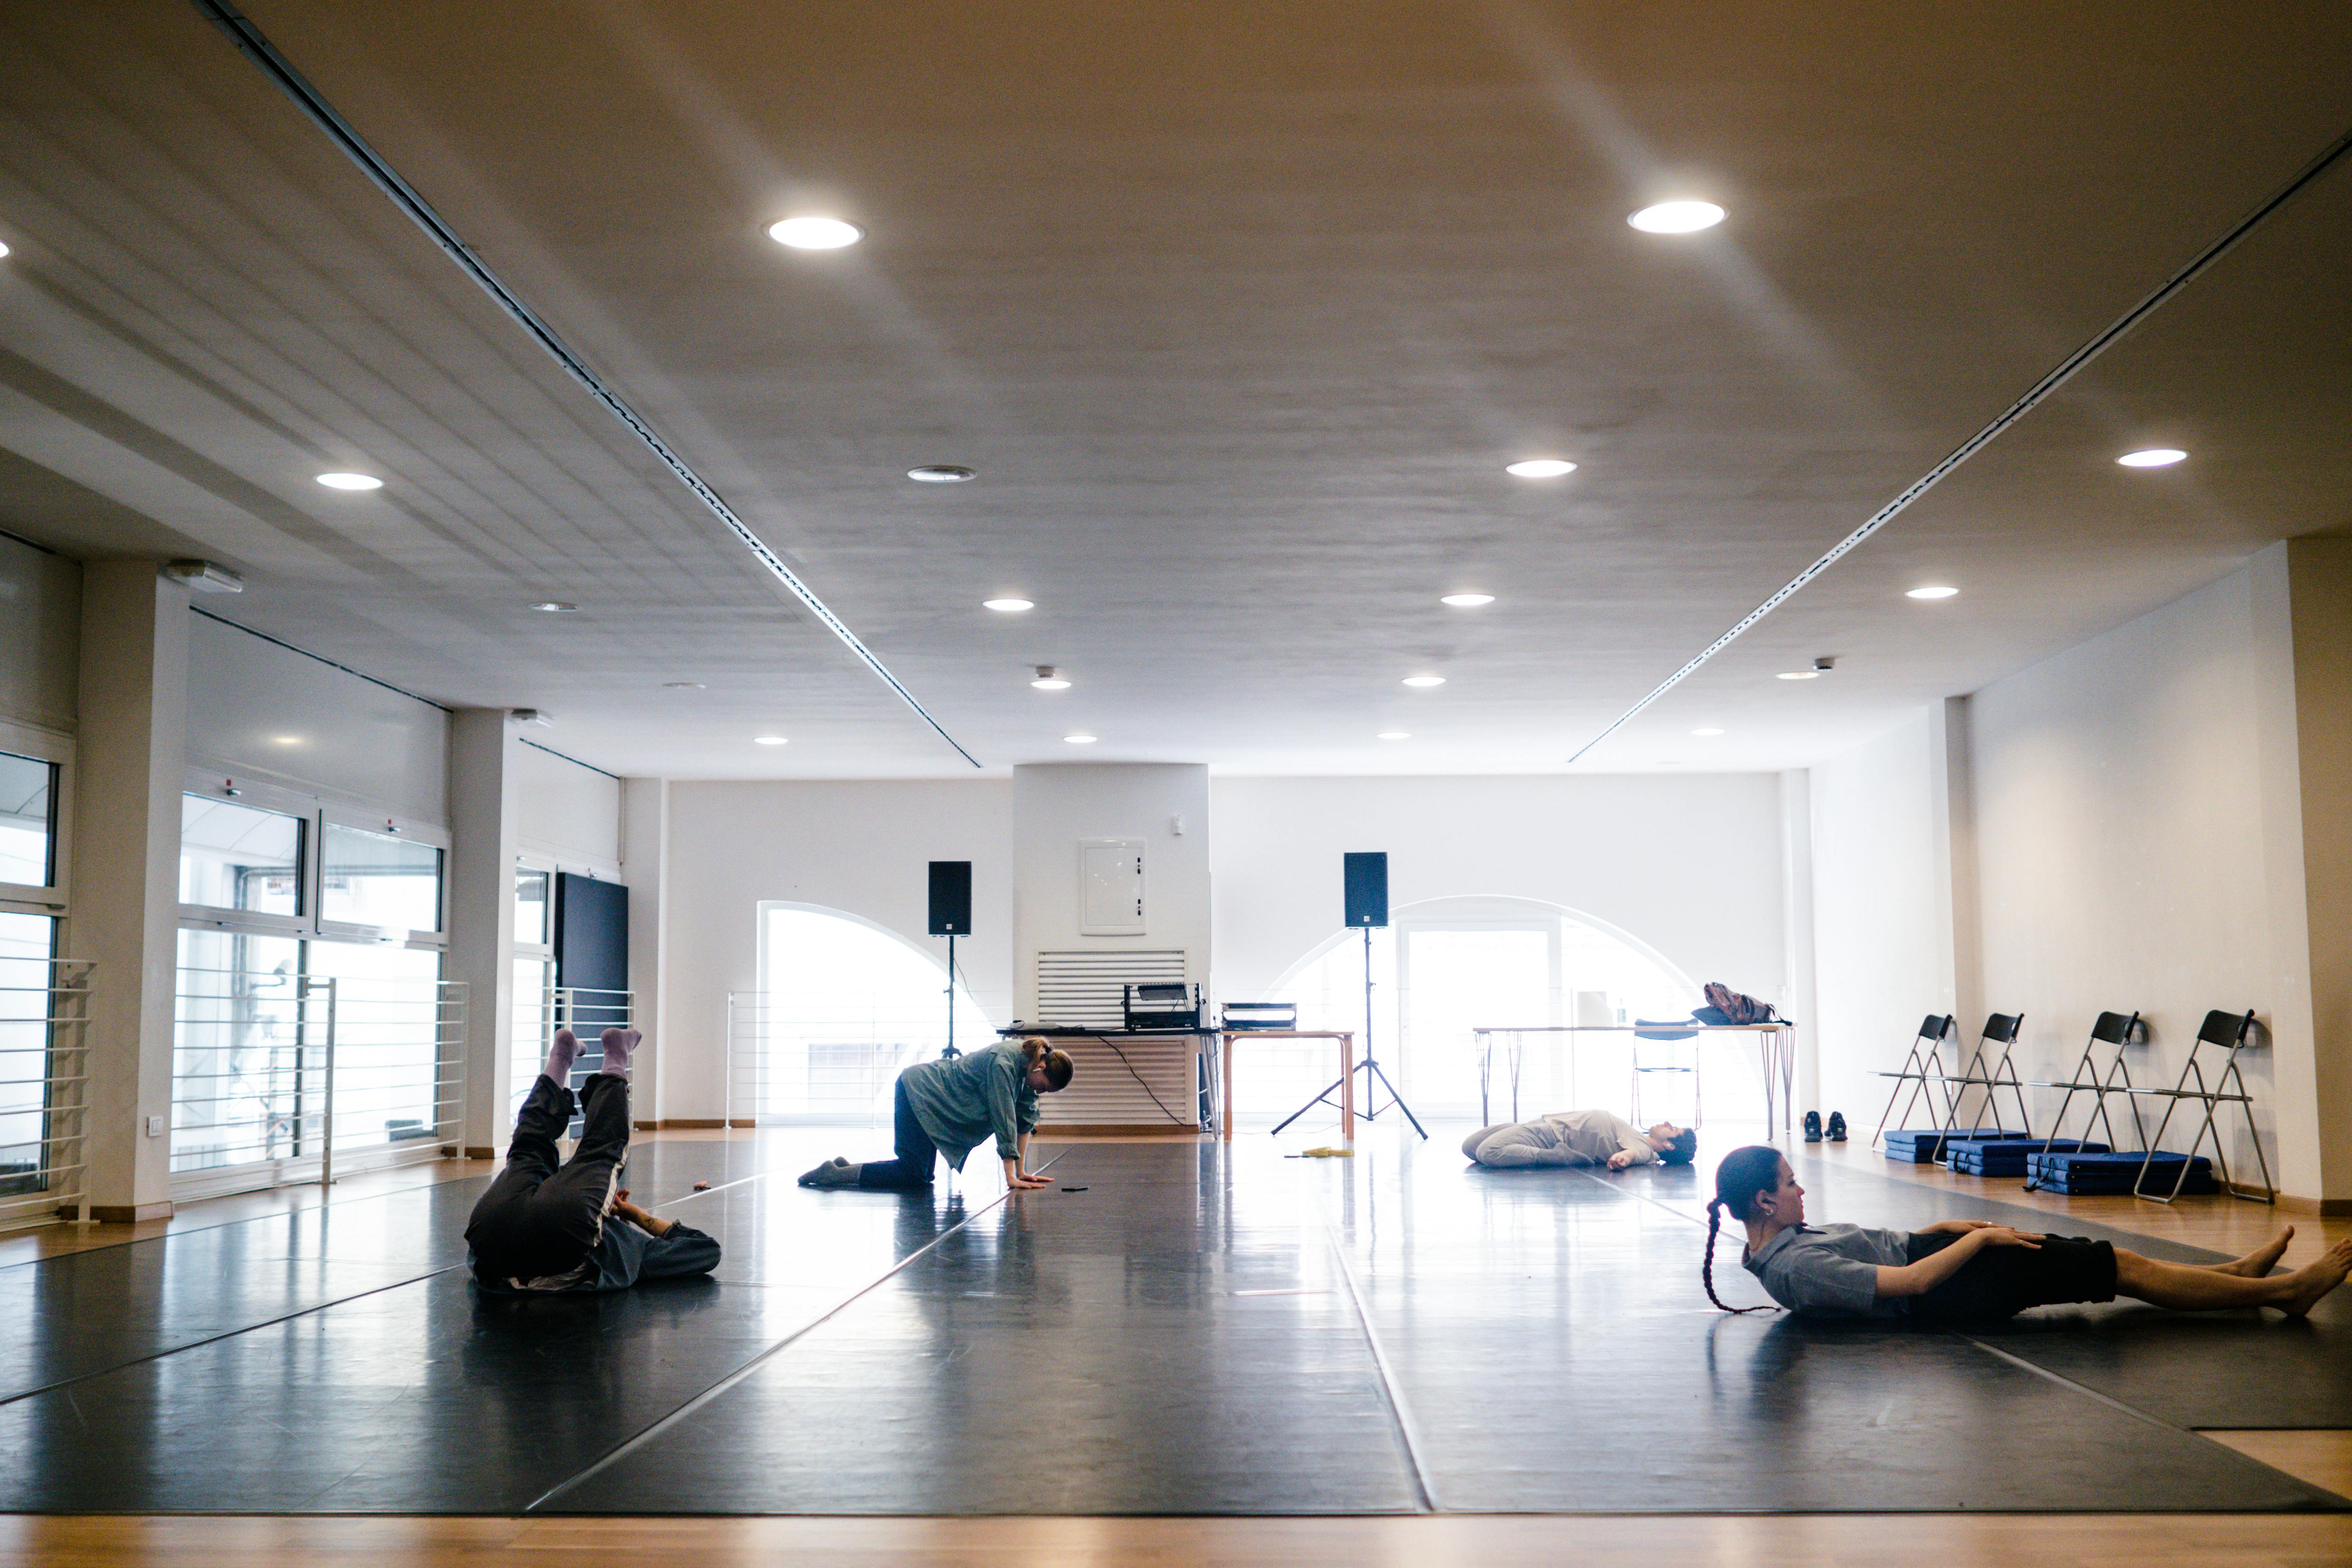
{"x":1948,"y":1540}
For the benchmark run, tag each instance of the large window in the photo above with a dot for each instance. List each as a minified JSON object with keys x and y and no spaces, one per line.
{"x":379,"y":879}
{"x":843,"y":1006}
{"x":28,"y":822}
{"x":239,"y":858}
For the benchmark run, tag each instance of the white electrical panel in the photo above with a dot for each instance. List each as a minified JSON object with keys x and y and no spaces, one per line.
{"x":1110,"y":887}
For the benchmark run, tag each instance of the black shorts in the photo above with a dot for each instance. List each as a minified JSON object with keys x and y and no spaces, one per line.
{"x":2002,"y":1281}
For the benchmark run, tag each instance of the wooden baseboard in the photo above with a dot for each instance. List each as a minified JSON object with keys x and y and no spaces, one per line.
{"x":696,"y":1122}
{"x":118,"y":1213}
{"x":2325,"y":1207}
{"x":477,"y":1152}
{"x":742,"y":1121}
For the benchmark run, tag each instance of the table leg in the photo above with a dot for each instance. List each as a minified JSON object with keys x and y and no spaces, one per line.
{"x":1347,"y":1088}
{"x":1226,"y":1089}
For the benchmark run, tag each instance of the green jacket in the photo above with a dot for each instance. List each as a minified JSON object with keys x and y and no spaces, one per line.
{"x":964,"y":1100}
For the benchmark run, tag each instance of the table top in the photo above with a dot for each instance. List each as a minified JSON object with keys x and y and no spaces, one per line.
{"x":1287,"y":1033}
{"x":1653,"y":1026}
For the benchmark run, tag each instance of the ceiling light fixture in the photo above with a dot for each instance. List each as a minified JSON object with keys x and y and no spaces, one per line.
{"x":4,"y":249}
{"x":1394,"y":734}
{"x":2153,"y":457}
{"x":1706,"y":732}
{"x":1079,"y":739}
{"x":351,"y":481}
{"x":814,"y":233}
{"x":1540,"y":468}
{"x":1801,"y":674}
{"x":769,"y":741}
{"x":555,"y":607}
{"x":1423,"y":683}
{"x":681,"y":686}
{"x":1467,"y":600}
{"x":1676,"y":217}
{"x":1932,"y":590}
{"x":1008,"y":606}
{"x":286,"y":739}
{"x":942,"y":473}
{"x":1049,"y":679}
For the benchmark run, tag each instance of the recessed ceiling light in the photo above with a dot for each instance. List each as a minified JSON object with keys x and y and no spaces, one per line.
{"x":351,"y":481}
{"x":1394,"y":734}
{"x":769,"y":741}
{"x":1423,"y":682}
{"x":1706,"y":732}
{"x":1676,"y":217}
{"x":2154,"y":458}
{"x":681,"y":686}
{"x":942,"y":473}
{"x":1932,"y":590}
{"x":1801,"y":674}
{"x":1079,"y":739}
{"x":1049,"y":679}
{"x":1008,"y":606}
{"x":814,"y":233}
{"x":1540,"y":468}
{"x":4,"y":249}
{"x":555,"y":607}
{"x":1467,"y":600}
{"x":286,"y":739}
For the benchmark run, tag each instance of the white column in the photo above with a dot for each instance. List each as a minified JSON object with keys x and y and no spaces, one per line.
{"x":483,"y":792}
{"x":1797,"y":923}
{"x":644,"y":868}
{"x":1959,"y":911}
{"x":129,"y":749}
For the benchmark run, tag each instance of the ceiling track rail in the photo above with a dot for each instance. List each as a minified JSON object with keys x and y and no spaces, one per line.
{"x":2058,"y":376}
{"x":257,"y":48}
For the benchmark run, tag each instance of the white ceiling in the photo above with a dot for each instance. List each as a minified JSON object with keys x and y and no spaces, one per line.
{"x":1238,"y":311}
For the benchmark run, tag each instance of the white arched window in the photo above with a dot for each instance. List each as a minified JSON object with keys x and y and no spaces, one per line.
{"x":843,"y":1005}
{"x":1448,"y":967}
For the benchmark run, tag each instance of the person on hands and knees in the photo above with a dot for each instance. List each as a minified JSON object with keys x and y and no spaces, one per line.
{"x":950,"y":1107}
{"x":1962,"y":1271}
{"x":551,"y":1224}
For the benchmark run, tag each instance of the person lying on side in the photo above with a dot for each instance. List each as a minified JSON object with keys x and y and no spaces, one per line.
{"x":1961,"y":1270}
{"x":1580,"y":1138}
{"x":548,"y":1225}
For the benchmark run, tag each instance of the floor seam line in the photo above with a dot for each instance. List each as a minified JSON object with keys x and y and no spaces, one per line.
{"x":1399,"y":1411}
{"x":647,"y":1433}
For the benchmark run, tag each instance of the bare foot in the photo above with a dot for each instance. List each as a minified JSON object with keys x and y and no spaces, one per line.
{"x":2314,"y":1280}
{"x":2258,"y":1263}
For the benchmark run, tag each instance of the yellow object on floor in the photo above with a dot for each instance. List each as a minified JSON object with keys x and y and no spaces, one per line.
{"x":1327,"y":1153}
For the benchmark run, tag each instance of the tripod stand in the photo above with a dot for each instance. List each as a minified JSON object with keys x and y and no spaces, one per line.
{"x":1370,"y":1068}
{"x":950,"y":1053}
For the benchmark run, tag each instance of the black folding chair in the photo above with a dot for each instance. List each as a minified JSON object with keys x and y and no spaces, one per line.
{"x":2090,"y":1078}
{"x":2231,"y":1033}
{"x":2001,"y":1029}
{"x":1922,"y":1065}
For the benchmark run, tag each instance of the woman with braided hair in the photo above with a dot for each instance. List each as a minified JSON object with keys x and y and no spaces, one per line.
{"x":1972,"y":1270}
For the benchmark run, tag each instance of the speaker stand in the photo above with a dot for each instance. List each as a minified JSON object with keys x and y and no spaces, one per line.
{"x":950,"y":1053}
{"x":1369,"y":1067}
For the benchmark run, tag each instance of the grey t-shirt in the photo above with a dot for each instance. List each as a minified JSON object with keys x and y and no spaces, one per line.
{"x":1831,"y":1270}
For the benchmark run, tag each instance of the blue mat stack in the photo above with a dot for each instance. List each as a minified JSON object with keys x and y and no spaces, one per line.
{"x":2081,"y":1174}
{"x":1923,"y":1146}
{"x":2007,"y":1156}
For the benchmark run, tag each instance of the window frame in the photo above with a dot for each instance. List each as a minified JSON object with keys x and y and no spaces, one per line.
{"x":407,"y":829}
{"x":58,"y":750}
{"x":547,"y":866}
{"x":278,"y":803}
{"x":315,"y":814}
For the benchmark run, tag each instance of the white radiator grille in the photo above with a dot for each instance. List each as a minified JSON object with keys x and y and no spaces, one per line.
{"x":1086,"y":991}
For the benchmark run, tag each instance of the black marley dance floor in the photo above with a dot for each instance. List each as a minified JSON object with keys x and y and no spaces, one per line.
{"x":1204,"y":1329}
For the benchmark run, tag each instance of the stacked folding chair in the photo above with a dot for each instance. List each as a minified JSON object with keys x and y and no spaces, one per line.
{"x":2116,"y":1031}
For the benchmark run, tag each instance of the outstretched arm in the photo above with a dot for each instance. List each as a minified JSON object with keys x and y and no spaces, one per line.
{"x":1919,"y":1279}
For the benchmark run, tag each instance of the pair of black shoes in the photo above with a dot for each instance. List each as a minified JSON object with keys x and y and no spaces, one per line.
{"x":1813,"y":1127}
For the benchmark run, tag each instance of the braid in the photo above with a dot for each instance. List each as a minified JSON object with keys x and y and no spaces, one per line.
{"x":1707,"y":1267}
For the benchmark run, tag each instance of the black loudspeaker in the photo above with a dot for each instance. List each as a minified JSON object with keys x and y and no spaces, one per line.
{"x":950,"y":898}
{"x":1368,"y":889}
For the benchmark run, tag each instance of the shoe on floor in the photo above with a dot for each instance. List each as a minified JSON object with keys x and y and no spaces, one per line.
{"x":1812,"y":1126}
{"x":834,"y":1172}
{"x":1837,"y":1126}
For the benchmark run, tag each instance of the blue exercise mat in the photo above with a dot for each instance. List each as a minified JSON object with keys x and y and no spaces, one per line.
{"x":2117,"y":1172}
{"x":1920,"y":1145}
{"x":2007,"y":1156}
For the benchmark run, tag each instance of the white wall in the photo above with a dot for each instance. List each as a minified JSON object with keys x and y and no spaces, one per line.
{"x":40,"y":636}
{"x":256,"y":709}
{"x":567,"y":811}
{"x":1690,"y":865}
{"x":860,"y":846}
{"x":1879,"y":964}
{"x":1056,"y":806}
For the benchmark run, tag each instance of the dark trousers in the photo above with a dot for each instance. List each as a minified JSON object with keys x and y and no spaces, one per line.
{"x":540,"y":1217}
{"x":917,"y":1155}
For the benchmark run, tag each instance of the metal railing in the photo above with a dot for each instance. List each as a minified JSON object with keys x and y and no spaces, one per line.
{"x":587,"y":1010}
{"x":280,"y":1077}
{"x":43,"y":1089}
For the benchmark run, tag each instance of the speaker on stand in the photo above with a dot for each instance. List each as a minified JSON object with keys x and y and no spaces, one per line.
{"x":1364,"y":887}
{"x":950,"y":917}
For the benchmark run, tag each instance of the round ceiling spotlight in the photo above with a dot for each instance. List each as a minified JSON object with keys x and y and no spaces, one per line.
{"x":1393,"y":735}
{"x":814,"y":233}
{"x":1932,"y":590}
{"x":1540,"y":468}
{"x":351,"y":481}
{"x":1423,"y":682}
{"x":1467,"y":600}
{"x":942,"y":473}
{"x":1008,"y":606}
{"x":1706,"y":732}
{"x":1800,"y":674}
{"x":1079,"y":739}
{"x":1049,"y":679}
{"x":4,"y":249}
{"x":555,"y":607}
{"x":769,"y":741}
{"x":1676,"y":217}
{"x":2153,"y":457}
{"x":681,"y":686}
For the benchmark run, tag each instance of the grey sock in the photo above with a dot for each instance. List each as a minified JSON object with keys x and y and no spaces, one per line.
{"x":834,"y":1172}
{"x":560,"y":1056}
{"x":618,"y":1044}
